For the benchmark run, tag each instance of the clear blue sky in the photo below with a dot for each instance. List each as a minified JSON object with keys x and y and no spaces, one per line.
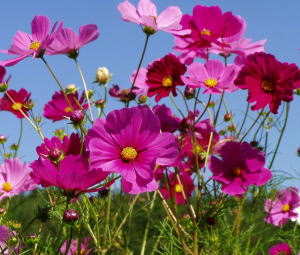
{"x":119,"y":46}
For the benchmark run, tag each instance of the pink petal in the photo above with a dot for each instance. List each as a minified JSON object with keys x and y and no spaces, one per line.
{"x":128,"y":12}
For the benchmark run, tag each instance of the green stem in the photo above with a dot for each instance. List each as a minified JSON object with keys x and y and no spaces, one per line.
{"x":219,"y":109}
{"x":176,"y":106}
{"x":281,"y":134}
{"x":69,"y":240}
{"x":107,"y":213}
{"x":20,"y":137}
{"x":244,"y":120}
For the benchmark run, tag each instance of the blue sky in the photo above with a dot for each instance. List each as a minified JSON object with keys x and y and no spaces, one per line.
{"x":119,"y":47}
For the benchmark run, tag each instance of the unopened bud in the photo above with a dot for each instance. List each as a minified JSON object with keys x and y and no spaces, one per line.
{"x":211,"y":104}
{"x":14,"y":147}
{"x":60,"y":133}
{"x":142,"y":99}
{"x":70,"y":215}
{"x":77,"y":117}
{"x":254,"y":144}
{"x":297,"y":92}
{"x":55,"y":154}
{"x":3,"y":139}
{"x":227,"y":117}
{"x":100,"y":103}
{"x":103,"y":75}
{"x":189,"y":93}
{"x":71,"y":89}
{"x":3,"y":86}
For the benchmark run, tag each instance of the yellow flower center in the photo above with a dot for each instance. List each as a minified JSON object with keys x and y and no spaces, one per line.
{"x":285,"y":208}
{"x":7,"y":187}
{"x":178,"y":188}
{"x":268,"y":86}
{"x":16,"y":106}
{"x":82,"y":252}
{"x":128,"y":154}
{"x":35,"y":45}
{"x":211,"y":82}
{"x":68,"y":109}
{"x":167,"y":81}
{"x":197,"y":149}
{"x":205,"y":32}
{"x":237,"y":171}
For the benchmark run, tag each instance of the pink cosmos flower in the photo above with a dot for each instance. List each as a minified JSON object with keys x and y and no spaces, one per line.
{"x":146,"y":16}
{"x":213,"y":76}
{"x":140,"y":85}
{"x":177,"y":189}
{"x":208,"y":25}
{"x":84,"y":247}
{"x":268,"y":81}
{"x":4,"y":235}
{"x":21,"y":100}
{"x":282,"y":208}
{"x":73,"y":175}
{"x":34,"y":44}
{"x":129,"y":142}
{"x":68,"y":42}
{"x":163,"y":76}
{"x":239,"y":167}
{"x":15,"y":178}
{"x":168,"y":122}
{"x":59,"y":109}
{"x":280,"y":249}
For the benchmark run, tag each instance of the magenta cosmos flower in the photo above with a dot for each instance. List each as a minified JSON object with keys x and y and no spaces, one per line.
{"x":239,"y":167}
{"x":213,"y":76}
{"x":208,"y":25}
{"x":59,"y":109}
{"x":129,"y":142}
{"x":280,"y":249}
{"x":168,"y":121}
{"x":268,"y":81}
{"x":73,"y":175}
{"x":163,"y":76}
{"x":16,"y":100}
{"x":4,"y":236}
{"x":177,"y":188}
{"x":146,"y":16}
{"x":34,"y":44}
{"x":85,"y":247}
{"x":68,"y":42}
{"x":15,"y":178}
{"x":283,"y":207}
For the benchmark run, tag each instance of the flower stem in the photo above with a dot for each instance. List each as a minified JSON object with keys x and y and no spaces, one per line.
{"x":20,"y":137}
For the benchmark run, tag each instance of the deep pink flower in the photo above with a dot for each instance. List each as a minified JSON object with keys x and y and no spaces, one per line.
{"x":73,"y":174}
{"x":268,"y":81}
{"x":15,"y":178}
{"x":163,"y":76}
{"x":20,"y":100}
{"x":176,"y":189}
{"x":280,"y":249}
{"x":129,"y":142}
{"x":58,"y":108}
{"x":239,"y":167}
{"x":85,"y":248}
{"x":213,"y":76}
{"x":146,"y":16}
{"x":34,"y":44}
{"x":283,"y":207}
{"x":208,"y":25}
{"x":4,"y":235}
{"x":68,"y":42}
{"x":168,"y":122}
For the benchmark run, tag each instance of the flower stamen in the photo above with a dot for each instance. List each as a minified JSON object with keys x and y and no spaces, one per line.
{"x":167,"y":82}
{"x":129,"y":154}
{"x":7,"y":187}
{"x":35,"y":45}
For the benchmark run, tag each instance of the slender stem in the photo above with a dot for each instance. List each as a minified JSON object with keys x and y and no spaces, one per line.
{"x":244,"y":120}
{"x":219,"y":109}
{"x":69,"y":240}
{"x":260,"y":125}
{"x":281,"y":134}
{"x":184,"y":100}
{"x":176,"y":106}
{"x":20,"y":137}
{"x":85,"y":89}
{"x":205,"y":109}
{"x":107,"y":212}
{"x":139,"y":66}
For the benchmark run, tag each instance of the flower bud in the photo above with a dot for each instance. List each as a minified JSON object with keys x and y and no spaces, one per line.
{"x":7,"y":155}
{"x":3,"y":86}
{"x":254,"y":144}
{"x":115,"y":91}
{"x":60,"y":133}
{"x":231,"y":128}
{"x":70,"y":215}
{"x":77,"y":117}
{"x":211,"y":104}
{"x":227,"y":117}
{"x":142,"y":99}
{"x":55,"y":154}
{"x":100,"y":103}
{"x":2,"y":210}
{"x":3,"y":139}
{"x":297,"y":92}
{"x":103,"y":75}
{"x":71,"y":89}
{"x":222,"y":132}
{"x":14,"y":147}
{"x":189,"y":93}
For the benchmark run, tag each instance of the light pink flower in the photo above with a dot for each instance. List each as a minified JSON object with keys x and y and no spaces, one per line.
{"x":213,"y":76}
{"x":129,"y":142}
{"x":146,"y":15}
{"x":15,"y":178}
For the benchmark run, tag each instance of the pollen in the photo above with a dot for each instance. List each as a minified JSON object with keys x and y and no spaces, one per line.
{"x":268,"y":86}
{"x":210,"y":82}
{"x":285,"y":208}
{"x":16,"y":106}
{"x":197,"y":149}
{"x":178,"y":188}
{"x":128,"y":154}
{"x":68,"y":109}
{"x":167,"y":81}
{"x":35,"y":45}
{"x":205,"y":32}
{"x":237,"y":171}
{"x":7,"y":187}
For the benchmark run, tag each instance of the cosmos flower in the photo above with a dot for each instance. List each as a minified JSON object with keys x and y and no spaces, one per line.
{"x":68,"y":42}
{"x":84,"y":247}
{"x":239,"y":166}
{"x":177,"y":188}
{"x":15,"y":178}
{"x":4,"y":236}
{"x":168,"y":122}
{"x":268,"y":81}
{"x":72,"y":175}
{"x":129,"y":142}
{"x":282,"y":208}
{"x":35,"y":44}
{"x":15,"y":101}
{"x":163,"y":76}
{"x":59,"y":109}
{"x":280,"y":249}
{"x":146,"y":16}
{"x":213,"y":76}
